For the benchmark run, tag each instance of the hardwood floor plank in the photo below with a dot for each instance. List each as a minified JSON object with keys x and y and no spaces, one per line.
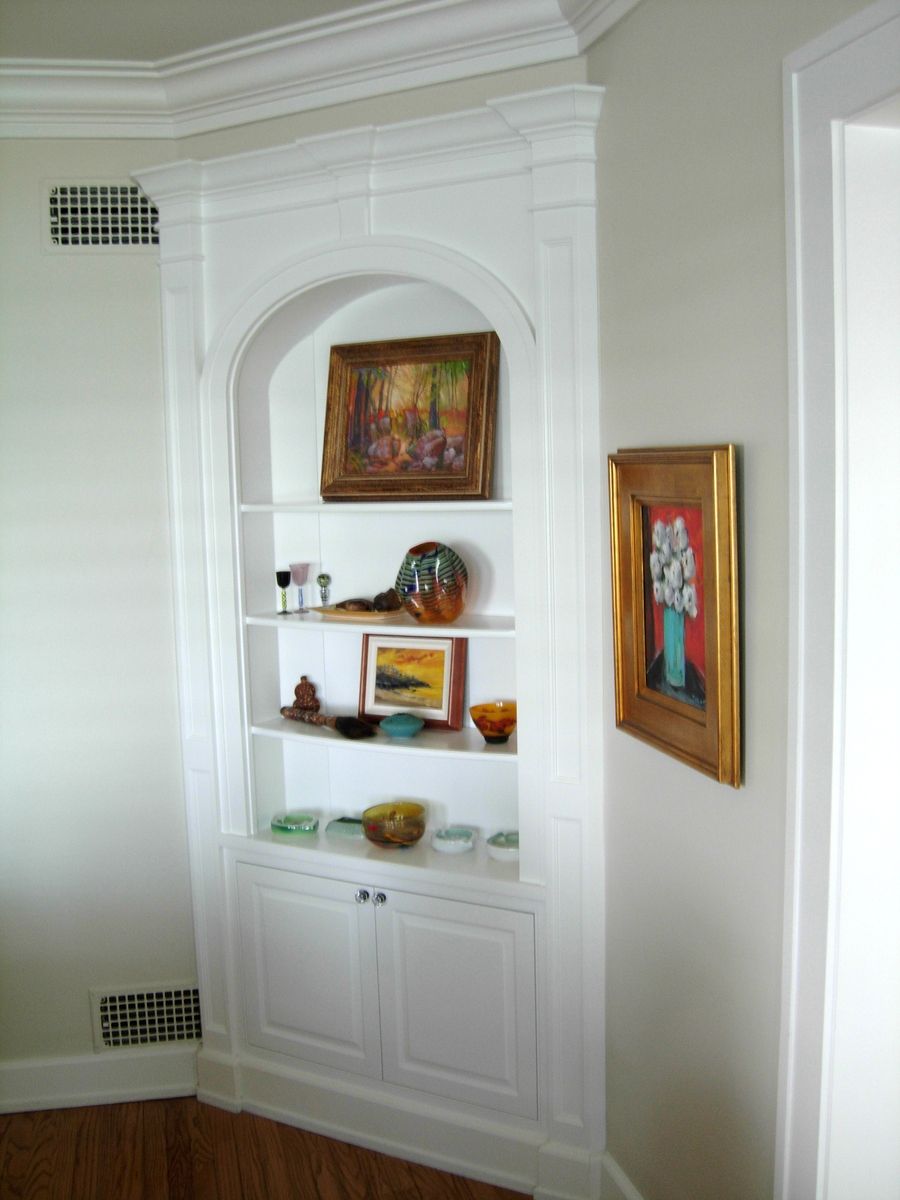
{"x":220,"y":1126}
{"x":183,"y":1150}
{"x":125,"y":1149}
{"x":26,"y":1163}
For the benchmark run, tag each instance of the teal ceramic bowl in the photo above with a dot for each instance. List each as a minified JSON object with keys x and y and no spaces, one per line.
{"x":402,"y":725}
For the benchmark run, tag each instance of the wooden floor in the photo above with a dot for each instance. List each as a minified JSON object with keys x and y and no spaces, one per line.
{"x":184,"y":1150}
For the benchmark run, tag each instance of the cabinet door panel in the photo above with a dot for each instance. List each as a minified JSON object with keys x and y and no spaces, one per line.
{"x":458,"y":1001}
{"x":308,"y":967}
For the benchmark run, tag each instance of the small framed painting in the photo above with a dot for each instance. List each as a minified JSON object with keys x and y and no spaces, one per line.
{"x":411,"y":419}
{"x":675,"y":603}
{"x":424,"y":676}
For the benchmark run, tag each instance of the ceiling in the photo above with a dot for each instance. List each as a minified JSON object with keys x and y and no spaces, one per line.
{"x":153,"y":30}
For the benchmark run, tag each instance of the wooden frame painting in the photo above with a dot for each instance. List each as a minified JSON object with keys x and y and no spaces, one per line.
{"x":675,"y":603}
{"x":424,"y":676}
{"x":411,"y":419}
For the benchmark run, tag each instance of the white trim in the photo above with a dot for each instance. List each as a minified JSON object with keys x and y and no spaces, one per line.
{"x":151,"y":1073}
{"x":355,"y":55}
{"x":828,"y":82}
{"x":615,"y":1184}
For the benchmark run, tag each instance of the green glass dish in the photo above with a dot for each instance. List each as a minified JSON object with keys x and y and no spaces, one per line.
{"x":294,"y":822}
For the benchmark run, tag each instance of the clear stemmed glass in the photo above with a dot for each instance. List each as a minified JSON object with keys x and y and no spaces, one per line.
{"x":300,"y":574}
{"x":283,"y":579}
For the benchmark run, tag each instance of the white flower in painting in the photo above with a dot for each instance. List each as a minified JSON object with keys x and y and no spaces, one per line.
{"x":672,"y":565}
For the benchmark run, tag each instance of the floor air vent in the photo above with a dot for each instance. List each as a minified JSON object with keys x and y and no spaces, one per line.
{"x":145,"y":1017}
{"x":97,"y":215}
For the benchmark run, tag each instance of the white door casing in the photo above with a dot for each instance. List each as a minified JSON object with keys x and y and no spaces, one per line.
{"x":826,"y":84}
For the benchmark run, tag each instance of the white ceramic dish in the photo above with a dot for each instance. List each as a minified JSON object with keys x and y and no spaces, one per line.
{"x":456,"y":839}
{"x":504,"y":846}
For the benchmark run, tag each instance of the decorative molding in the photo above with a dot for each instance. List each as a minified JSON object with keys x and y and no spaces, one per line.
{"x":315,"y":63}
{"x":152,"y":1073}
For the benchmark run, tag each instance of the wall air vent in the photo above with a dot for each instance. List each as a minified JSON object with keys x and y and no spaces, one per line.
{"x":110,"y":216}
{"x":145,"y":1016}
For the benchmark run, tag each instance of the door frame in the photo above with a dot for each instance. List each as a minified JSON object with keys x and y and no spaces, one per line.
{"x":826,"y":84}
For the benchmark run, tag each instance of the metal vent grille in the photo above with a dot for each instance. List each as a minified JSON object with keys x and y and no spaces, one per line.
{"x":101,"y":214}
{"x":146,"y":1017}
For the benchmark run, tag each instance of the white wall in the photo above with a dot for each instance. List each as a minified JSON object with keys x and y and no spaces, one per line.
{"x":693,"y":350}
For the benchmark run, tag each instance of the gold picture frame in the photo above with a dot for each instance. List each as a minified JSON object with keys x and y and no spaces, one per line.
{"x":421,"y":675}
{"x":673,"y":532}
{"x":411,"y":419}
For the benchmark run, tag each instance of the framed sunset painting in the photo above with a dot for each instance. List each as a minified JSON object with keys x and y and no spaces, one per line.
{"x":675,"y":603}
{"x":423,"y":676}
{"x":411,"y":419}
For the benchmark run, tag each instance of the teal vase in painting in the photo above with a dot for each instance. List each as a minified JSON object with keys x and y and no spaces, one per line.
{"x":673,"y":646}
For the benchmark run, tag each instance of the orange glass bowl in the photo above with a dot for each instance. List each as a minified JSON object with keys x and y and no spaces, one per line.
{"x":495,"y":720}
{"x":397,"y":823}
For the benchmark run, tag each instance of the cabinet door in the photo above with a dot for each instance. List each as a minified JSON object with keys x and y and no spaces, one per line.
{"x":309,"y":969}
{"x":458,"y":1001}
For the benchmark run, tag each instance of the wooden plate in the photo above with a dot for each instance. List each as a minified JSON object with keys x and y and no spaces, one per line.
{"x":330,"y":613}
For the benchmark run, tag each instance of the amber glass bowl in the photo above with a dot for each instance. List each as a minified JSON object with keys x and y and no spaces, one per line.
{"x":397,"y":823}
{"x":495,"y":720}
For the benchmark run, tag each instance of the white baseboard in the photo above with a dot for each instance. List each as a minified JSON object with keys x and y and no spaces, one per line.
{"x":150,"y":1073}
{"x":615,"y":1184}
{"x":492,"y":1149}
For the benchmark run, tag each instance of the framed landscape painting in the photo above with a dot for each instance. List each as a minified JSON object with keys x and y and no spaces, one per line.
{"x":411,"y":419}
{"x":675,"y":603}
{"x":423,"y":676}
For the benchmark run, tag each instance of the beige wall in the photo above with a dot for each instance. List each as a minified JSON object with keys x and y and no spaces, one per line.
{"x":693,"y":350}
{"x":93,"y":879}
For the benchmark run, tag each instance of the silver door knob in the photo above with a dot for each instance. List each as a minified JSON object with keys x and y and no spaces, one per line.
{"x":378,"y":899}
{"x":361,"y":896}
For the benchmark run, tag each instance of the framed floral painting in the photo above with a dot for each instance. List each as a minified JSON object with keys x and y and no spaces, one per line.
{"x":411,"y":419}
{"x":675,"y":603}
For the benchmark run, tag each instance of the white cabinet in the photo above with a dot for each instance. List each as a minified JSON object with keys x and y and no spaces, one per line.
{"x":433,"y":994}
{"x":484,"y":219}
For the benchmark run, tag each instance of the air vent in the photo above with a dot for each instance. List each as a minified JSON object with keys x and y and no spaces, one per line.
{"x":145,"y":1017}
{"x":101,"y":215}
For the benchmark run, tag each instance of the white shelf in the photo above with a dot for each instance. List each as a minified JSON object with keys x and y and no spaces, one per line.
{"x":383,"y":506}
{"x":468,"y":625}
{"x":420,"y":863}
{"x":434,"y":742}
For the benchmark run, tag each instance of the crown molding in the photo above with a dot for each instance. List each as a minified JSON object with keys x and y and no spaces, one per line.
{"x":362,"y":53}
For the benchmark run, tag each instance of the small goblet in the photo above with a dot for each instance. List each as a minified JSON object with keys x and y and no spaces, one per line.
{"x":299,"y":575}
{"x":283,"y":579}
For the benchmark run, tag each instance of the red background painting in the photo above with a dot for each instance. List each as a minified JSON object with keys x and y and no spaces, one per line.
{"x":694,"y":627}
